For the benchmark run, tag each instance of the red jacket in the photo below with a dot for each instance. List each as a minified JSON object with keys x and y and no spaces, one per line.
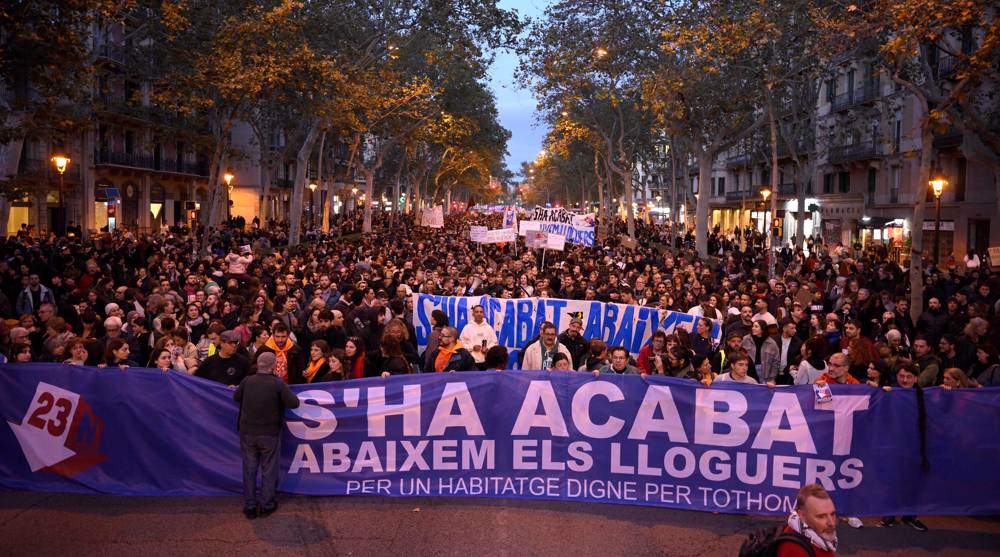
{"x":791,"y":549}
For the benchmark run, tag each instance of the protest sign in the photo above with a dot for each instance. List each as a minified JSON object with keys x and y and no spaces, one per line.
{"x":654,"y":441}
{"x":477,"y":233}
{"x":432,"y":217}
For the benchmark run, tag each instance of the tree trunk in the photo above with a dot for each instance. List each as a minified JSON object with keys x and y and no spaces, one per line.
{"x":626,"y":175}
{"x":705,"y":159}
{"x":917,"y":226}
{"x":366,"y":227}
{"x":266,"y":173}
{"x":319,"y":178}
{"x":802,"y":171}
{"x":301,"y":175}
{"x":674,"y":218}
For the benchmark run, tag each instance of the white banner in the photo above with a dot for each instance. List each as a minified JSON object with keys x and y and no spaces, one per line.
{"x":432,"y":217}
{"x":499,"y":236}
{"x":477,"y":233}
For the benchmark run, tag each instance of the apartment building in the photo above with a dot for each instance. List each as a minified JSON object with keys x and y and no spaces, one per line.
{"x":859,"y":166}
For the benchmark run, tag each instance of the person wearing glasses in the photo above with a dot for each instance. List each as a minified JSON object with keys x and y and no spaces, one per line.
{"x":837,"y":370}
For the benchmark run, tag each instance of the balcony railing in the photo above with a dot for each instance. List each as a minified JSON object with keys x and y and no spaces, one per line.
{"x":282,"y":182}
{"x":855,"y":152}
{"x":136,"y":160}
{"x":738,"y":160}
{"x":949,"y":139}
{"x":113,"y":52}
{"x":119,"y":104}
{"x":738,"y":195}
{"x":786,"y":189}
{"x":867,"y":92}
{"x":43,"y":168}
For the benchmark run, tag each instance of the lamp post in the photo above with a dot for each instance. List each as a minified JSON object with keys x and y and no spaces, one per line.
{"x":312,"y":204}
{"x":938,"y":183}
{"x":765,"y":193}
{"x":62,"y":163}
{"x":228,"y":179}
{"x":658,"y":199}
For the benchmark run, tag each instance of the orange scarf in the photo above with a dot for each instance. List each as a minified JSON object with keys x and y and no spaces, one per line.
{"x":313,"y":368}
{"x":281,"y":358}
{"x":445,"y":354}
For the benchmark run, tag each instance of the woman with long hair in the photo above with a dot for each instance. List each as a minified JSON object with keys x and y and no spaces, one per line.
{"x":170,"y":345}
{"x":20,"y":353}
{"x":76,"y":349}
{"x":318,"y":367}
{"x":392,"y":362}
{"x":194,"y":322}
{"x":763,"y":351}
{"x":336,"y":361}
{"x":813,"y":362}
{"x":986,"y":369}
{"x":354,"y":350}
{"x":163,"y":360}
{"x":702,"y":370}
{"x":117,"y":354}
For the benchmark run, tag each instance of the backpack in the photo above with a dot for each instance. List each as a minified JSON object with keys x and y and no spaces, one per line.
{"x":765,"y":541}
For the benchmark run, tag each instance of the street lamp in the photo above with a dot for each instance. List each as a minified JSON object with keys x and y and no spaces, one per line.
{"x":312,"y":204}
{"x":938,"y":183}
{"x":228,"y":179}
{"x":62,"y":163}
{"x":600,"y":52}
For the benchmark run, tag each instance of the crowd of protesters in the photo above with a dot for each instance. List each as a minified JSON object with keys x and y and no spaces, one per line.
{"x":339,"y":306}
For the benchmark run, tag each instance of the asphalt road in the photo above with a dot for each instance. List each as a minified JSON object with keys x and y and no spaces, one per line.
{"x":41,"y":524}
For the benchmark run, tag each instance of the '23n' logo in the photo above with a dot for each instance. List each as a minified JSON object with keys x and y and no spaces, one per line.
{"x":60,"y":432}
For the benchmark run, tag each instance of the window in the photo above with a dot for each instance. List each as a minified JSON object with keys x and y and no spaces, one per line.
{"x":129,"y":142}
{"x":736,"y":181}
{"x":721,"y":189}
{"x":872,"y":177}
{"x":157,"y":154}
{"x":831,"y":89}
{"x":828,"y":183}
{"x":897,"y":130}
{"x":179,"y":156}
{"x":765,"y":176}
{"x":850,"y":83}
{"x":968,"y":41}
{"x":894,"y":184}
{"x":963,"y":167}
{"x":845,"y":182}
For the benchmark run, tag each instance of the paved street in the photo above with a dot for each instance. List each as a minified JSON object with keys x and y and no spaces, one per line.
{"x":52,"y":524}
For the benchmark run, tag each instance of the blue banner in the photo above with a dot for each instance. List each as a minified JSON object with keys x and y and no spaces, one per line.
{"x":517,"y":321}
{"x":565,"y":436}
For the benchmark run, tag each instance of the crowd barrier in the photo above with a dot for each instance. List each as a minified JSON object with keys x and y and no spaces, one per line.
{"x":564,"y":436}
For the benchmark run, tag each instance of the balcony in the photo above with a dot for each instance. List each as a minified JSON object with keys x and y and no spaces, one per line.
{"x":946,"y":67}
{"x":948,"y":140}
{"x":145,"y":162}
{"x":786,"y":189}
{"x":738,"y":195}
{"x":43,"y":168}
{"x":856,"y":152}
{"x":282,"y":182}
{"x":113,"y":52}
{"x":867,"y":92}
{"x":738,"y":161}
{"x":123,"y":106}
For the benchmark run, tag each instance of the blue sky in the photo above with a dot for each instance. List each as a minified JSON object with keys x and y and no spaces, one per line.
{"x":516,"y":106}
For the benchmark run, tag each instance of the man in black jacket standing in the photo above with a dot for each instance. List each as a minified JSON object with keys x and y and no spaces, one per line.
{"x":263,"y":399}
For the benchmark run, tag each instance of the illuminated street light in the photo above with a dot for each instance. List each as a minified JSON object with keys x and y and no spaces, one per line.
{"x":600,"y":52}
{"x":938,"y":183}
{"x":62,"y":163}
